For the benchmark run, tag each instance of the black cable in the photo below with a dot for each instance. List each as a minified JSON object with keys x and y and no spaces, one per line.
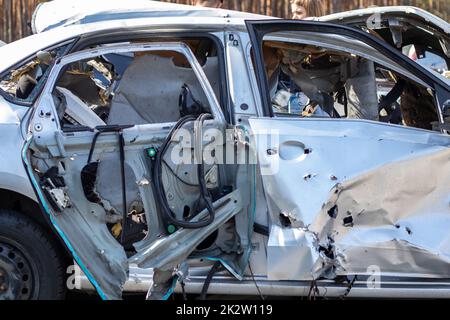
{"x":124,"y":191}
{"x":206,"y":196}
{"x":313,"y":290}
{"x":350,"y":287}
{"x":105,"y":129}
{"x":261,"y":229}
{"x":94,"y":142}
{"x":216,"y":267}
{"x":165,"y":208}
{"x":183,"y":290}
{"x":256,"y":283}
{"x":119,"y":129}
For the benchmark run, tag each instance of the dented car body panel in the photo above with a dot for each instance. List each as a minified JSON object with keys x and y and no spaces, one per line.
{"x":402,"y":27}
{"x":362,"y":167}
{"x":366,"y":195}
{"x":400,"y":12}
{"x":354,"y":190}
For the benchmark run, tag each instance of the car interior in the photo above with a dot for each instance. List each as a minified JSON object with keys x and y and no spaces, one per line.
{"x":317,"y":81}
{"x":116,"y":86}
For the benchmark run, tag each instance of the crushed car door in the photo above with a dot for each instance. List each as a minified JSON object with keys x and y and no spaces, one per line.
{"x":117,"y":160}
{"x":347,"y":194}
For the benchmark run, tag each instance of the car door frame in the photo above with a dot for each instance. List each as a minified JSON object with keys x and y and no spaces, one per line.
{"x":44,"y":115}
{"x":257,"y":29}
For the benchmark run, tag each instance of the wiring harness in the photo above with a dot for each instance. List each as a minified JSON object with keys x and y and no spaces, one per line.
{"x":157,"y":171}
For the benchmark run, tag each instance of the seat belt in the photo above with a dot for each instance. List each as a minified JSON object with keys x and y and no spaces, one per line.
{"x":393,"y":95}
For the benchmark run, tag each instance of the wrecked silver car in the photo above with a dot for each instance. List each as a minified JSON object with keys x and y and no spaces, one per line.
{"x":170,"y":148}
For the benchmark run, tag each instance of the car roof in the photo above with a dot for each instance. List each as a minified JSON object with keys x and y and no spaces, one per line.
{"x":398,"y":11}
{"x":24,"y":48}
{"x":57,"y":13}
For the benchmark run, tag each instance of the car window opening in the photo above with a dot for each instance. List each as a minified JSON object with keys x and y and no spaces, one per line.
{"x":24,"y":83}
{"x":132,"y":88}
{"x":310,"y":81}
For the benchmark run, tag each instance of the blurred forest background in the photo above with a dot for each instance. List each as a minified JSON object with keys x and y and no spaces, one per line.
{"x":15,"y":15}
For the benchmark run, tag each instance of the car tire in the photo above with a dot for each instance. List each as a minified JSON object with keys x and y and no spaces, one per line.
{"x":31,"y":267}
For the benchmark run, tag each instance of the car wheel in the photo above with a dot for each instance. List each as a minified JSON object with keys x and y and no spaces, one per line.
{"x":30,"y":265}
